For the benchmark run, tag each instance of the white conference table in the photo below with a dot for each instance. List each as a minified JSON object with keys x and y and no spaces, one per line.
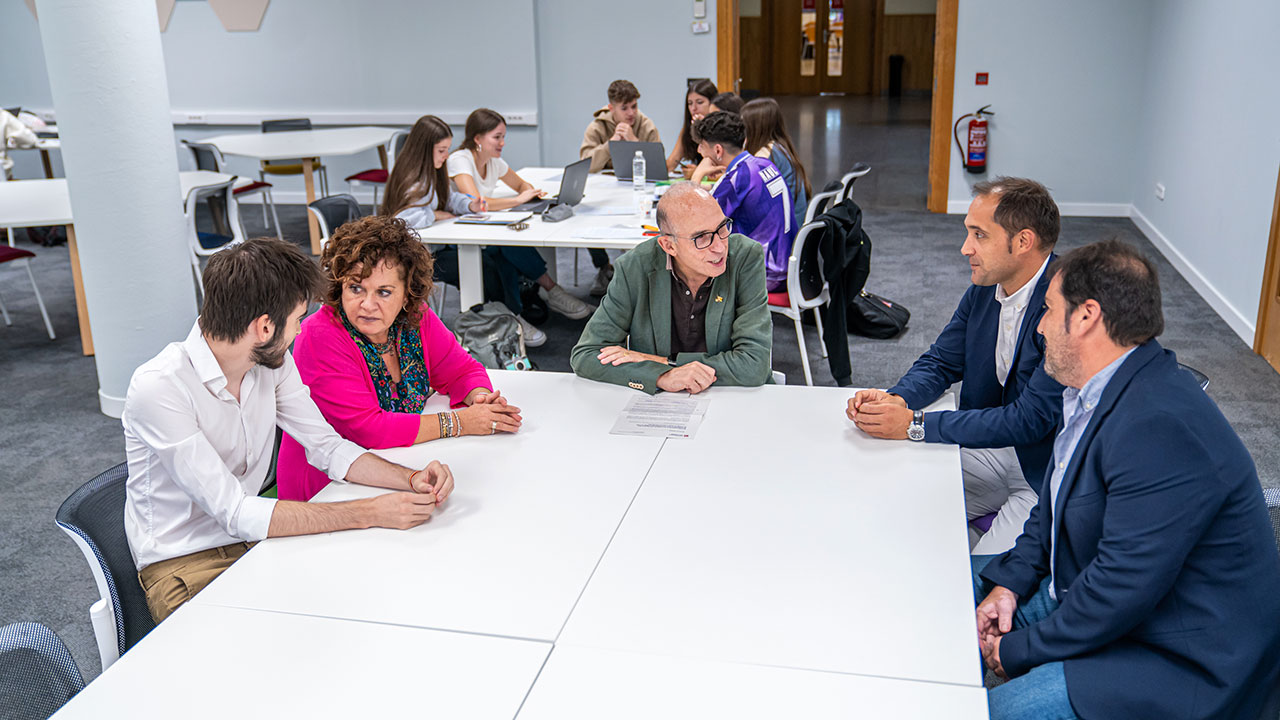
{"x":785,"y":536}
{"x":38,"y":203}
{"x":220,"y":663}
{"x":509,"y":552}
{"x":590,"y":684}
{"x":602,"y":191}
{"x":306,"y":145}
{"x":780,"y":547}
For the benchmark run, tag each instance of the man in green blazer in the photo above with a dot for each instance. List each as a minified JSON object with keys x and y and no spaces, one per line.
{"x":691,"y":302}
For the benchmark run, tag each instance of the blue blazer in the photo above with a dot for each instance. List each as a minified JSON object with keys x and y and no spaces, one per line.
{"x":1023,"y":413}
{"x":1166,"y":565}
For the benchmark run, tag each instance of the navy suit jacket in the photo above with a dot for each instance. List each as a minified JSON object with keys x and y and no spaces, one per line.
{"x":1166,"y":565}
{"x":1023,"y":413}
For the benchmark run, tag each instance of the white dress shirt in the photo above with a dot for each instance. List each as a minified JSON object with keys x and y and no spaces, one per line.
{"x":198,"y":458}
{"x":1012,"y":309}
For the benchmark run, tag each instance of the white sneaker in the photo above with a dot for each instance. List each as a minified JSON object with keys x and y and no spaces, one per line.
{"x":601,"y":284}
{"x":533,"y":337}
{"x":565,"y":304}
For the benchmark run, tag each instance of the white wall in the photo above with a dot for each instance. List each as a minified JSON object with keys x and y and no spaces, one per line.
{"x":582,"y":47}
{"x":402,"y":58}
{"x":1207,"y":130}
{"x":1065,"y":84}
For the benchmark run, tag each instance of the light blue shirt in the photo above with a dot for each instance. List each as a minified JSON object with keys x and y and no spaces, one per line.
{"x":1077,"y":410}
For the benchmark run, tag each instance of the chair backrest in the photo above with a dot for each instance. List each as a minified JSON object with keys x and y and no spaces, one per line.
{"x":228,"y":227}
{"x":37,"y":673}
{"x":94,"y":518}
{"x":397,"y":144}
{"x":819,"y":204}
{"x":1201,"y":379}
{"x":286,"y":125}
{"x":333,"y":212}
{"x":805,"y":282}
{"x":1272,"y":496}
{"x":846,"y":182}
{"x":206,"y":156}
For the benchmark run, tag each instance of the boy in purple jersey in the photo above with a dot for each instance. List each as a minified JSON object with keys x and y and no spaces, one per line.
{"x":752,"y":192}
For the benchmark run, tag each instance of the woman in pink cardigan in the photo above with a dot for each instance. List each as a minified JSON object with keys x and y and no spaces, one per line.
{"x":374,"y":353}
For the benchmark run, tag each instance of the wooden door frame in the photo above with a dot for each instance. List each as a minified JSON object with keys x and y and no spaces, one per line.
{"x":1269,"y":289}
{"x":727,"y":67}
{"x":944,"y":87}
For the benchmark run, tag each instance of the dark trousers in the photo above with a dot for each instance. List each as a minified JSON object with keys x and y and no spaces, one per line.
{"x":503,"y":268}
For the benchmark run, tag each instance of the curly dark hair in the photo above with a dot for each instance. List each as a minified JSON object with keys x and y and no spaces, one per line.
{"x":357,"y":247}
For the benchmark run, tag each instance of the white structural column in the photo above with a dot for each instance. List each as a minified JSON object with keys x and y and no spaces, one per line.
{"x":107,"y":76}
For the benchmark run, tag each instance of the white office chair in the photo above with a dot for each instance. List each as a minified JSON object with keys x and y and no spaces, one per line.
{"x":821,"y":203}
{"x":209,"y":157}
{"x":377,"y":177}
{"x":846,"y":182}
{"x":228,"y":228}
{"x":800,"y":294}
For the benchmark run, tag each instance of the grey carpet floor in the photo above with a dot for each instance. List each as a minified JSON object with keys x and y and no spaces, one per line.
{"x":52,"y":437}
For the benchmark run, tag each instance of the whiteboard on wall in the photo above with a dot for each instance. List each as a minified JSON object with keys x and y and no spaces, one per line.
{"x":345,"y":61}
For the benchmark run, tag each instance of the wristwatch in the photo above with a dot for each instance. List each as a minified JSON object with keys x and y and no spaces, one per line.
{"x":915,"y":431}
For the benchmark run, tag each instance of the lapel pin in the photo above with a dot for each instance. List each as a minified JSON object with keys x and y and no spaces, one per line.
{"x":719,"y":299}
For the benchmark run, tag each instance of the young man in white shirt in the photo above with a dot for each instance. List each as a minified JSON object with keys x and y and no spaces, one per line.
{"x":199,"y":426}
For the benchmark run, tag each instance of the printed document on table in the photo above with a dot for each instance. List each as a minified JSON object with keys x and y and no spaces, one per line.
{"x":665,"y":415}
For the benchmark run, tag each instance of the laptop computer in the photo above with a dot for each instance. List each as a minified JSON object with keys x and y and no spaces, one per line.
{"x":573,"y":184}
{"x":622,"y":152}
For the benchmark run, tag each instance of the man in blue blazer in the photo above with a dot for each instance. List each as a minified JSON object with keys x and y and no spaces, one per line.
{"x":1009,"y":407}
{"x":1146,"y":583}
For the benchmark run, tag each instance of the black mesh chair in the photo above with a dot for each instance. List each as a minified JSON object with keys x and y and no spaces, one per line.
{"x":209,"y":157}
{"x":291,"y":167}
{"x":94,"y":518}
{"x":846,"y":182}
{"x":333,"y":212}
{"x":37,"y":673}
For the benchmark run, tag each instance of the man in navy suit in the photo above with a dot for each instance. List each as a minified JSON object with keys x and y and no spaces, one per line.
{"x":1009,"y":408}
{"x":1146,"y":583}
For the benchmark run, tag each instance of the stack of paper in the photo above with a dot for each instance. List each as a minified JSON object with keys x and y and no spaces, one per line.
{"x":672,"y":416}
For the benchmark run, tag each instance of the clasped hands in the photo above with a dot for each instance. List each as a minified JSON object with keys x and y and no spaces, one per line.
{"x":488,"y":412}
{"x":624,"y":132}
{"x":995,"y":618}
{"x":880,"y":414}
{"x":693,"y":376}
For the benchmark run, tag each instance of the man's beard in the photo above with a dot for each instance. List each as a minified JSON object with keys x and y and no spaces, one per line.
{"x":271,"y":353}
{"x":1059,"y":363}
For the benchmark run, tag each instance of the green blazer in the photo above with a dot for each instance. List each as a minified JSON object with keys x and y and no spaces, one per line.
{"x":638,"y":307}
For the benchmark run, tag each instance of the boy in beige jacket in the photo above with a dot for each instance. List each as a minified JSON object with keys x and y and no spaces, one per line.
{"x":621,"y":119}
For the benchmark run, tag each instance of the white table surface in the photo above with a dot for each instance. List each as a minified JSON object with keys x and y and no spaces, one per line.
{"x":302,"y":143}
{"x":35,"y":203}
{"x":222,"y":663}
{"x":784,"y":536}
{"x":601,"y":191}
{"x":510,"y":551}
{"x":590,"y":684}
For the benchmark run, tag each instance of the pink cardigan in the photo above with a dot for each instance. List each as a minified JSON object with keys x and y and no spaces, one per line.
{"x":335,"y":371}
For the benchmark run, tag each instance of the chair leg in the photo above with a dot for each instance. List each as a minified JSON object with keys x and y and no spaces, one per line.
{"x":804,"y":354}
{"x":375,"y":200}
{"x":39,"y":301}
{"x":266,"y":194}
{"x":576,"y":252}
{"x":822,"y":343}
{"x":5,"y":312}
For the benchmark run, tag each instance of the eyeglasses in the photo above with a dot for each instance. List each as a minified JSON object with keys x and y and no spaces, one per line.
{"x":703,"y":240}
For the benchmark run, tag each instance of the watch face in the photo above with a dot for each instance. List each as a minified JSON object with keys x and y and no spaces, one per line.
{"x":915,"y":432}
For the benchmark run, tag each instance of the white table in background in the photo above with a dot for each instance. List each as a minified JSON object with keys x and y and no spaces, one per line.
{"x":306,"y":145}
{"x":44,"y":146}
{"x":508,"y":554}
{"x":602,"y":191}
{"x":589,"y":684}
{"x":783,"y":536}
{"x":38,"y":203}
{"x":220,"y":663}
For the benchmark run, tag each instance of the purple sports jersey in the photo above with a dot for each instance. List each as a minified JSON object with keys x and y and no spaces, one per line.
{"x":753,"y":193}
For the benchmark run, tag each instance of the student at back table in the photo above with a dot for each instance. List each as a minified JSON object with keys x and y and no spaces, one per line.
{"x":697,"y":105}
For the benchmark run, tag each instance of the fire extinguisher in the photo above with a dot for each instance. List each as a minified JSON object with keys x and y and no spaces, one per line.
{"x":974,"y":157}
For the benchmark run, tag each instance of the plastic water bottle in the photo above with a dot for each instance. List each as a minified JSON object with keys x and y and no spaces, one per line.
{"x":637,"y":184}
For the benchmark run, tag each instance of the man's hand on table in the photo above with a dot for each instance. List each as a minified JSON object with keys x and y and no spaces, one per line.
{"x":880,"y":414}
{"x":693,"y":377}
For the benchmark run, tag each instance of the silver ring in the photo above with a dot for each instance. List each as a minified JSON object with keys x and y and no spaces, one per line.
{"x":493,"y":427}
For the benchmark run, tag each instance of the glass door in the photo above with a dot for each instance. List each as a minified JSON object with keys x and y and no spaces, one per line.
{"x":826,"y":55}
